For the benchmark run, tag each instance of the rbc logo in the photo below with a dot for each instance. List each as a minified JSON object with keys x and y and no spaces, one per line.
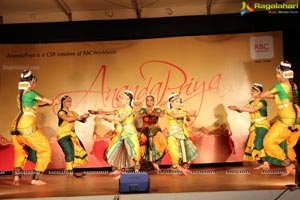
{"x":261,"y":46}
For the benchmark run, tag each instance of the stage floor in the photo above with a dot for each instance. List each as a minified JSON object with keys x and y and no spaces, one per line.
{"x":202,"y":179}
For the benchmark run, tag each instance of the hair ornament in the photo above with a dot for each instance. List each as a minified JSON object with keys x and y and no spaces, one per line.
{"x":288,"y":74}
{"x":24,"y":85}
{"x":258,"y":87}
{"x":285,"y":64}
{"x":65,"y":98}
{"x":29,"y":73}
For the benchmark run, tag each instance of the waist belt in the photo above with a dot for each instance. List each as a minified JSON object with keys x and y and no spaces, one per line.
{"x":260,"y":119}
{"x":27,"y":130}
{"x":284,"y":105}
{"x":29,"y":113}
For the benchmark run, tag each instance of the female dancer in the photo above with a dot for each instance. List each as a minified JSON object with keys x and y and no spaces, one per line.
{"x":29,"y":141}
{"x":153,"y":142}
{"x":112,"y":134}
{"x":257,"y":108}
{"x":287,"y":126}
{"x":180,"y":147}
{"x":74,"y":151}
{"x":123,"y":150}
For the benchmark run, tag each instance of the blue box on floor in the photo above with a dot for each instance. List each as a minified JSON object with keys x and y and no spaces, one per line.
{"x":134,"y":182}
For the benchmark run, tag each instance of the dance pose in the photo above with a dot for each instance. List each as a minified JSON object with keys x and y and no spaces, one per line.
{"x":287,"y":125}
{"x":29,"y":142}
{"x":257,"y":108}
{"x":74,"y":151}
{"x":102,"y":134}
{"x":123,"y":151}
{"x":112,"y":134}
{"x":152,"y":141}
{"x":180,"y":148}
{"x":102,"y":128}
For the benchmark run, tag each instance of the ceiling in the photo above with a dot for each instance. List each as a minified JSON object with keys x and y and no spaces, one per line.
{"x":34,"y":11}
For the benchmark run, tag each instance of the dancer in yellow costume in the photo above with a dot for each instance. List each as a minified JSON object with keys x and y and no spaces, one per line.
{"x":257,"y":108}
{"x":287,"y":126}
{"x":152,"y":141}
{"x":123,"y":150}
{"x":29,"y":141}
{"x":180,"y":148}
{"x":74,"y":151}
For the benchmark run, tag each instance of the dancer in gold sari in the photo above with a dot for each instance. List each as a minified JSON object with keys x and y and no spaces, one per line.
{"x":123,"y":151}
{"x":74,"y":151}
{"x":259,"y":126}
{"x":29,"y":141}
{"x":287,"y":125}
{"x":180,"y":148}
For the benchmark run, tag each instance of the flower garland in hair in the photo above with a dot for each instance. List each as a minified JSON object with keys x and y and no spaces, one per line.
{"x":288,"y":74}
{"x":285,"y":74}
{"x":285,"y":64}
{"x":24,"y":85}
{"x":258,"y":87}
{"x":126,"y":92}
{"x":26,"y":75}
{"x":171,"y":96}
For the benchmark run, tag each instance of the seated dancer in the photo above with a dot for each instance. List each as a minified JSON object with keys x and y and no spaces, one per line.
{"x":180,"y":148}
{"x":287,"y":126}
{"x":74,"y":151}
{"x":123,"y":151}
{"x":29,"y":141}
{"x":152,"y":141}
{"x":257,"y":108}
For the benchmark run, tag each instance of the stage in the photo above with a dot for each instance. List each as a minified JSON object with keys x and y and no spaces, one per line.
{"x":205,"y":182}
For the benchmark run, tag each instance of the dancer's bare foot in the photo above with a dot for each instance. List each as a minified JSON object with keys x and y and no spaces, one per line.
{"x":117,"y":177}
{"x":264,"y":166}
{"x":137,"y":167}
{"x":79,"y":175}
{"x":258,"y":167}
{"x":182,"y":170}
{"x":188,"y":171}
{"x":16,"y":181}
{"x":38,"y":182}
{"x":290,"y":170}
{"x":116,"y":172}
{"x":186,"y":167}
{"x":156,"y":167}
